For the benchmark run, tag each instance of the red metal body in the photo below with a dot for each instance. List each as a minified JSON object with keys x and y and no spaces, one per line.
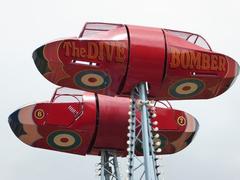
{"x":111,"y":59}
{"x":84,"y":123}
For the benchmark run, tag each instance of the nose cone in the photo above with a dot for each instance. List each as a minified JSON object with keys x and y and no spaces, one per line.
{"x":237,"y":69}
{"x":40,"y":61}
{"x":188,"y":134}
{"x":194,"y":132}
{"x":237,"y":72}
{"x":23,"y":125}
{"x":230,"y":78}
{"x":15,"y":124}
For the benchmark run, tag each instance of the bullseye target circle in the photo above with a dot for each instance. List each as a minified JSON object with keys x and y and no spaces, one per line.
{"x":92,"y":80}
{"x":186,"y":88}
{"x":64,"y":140}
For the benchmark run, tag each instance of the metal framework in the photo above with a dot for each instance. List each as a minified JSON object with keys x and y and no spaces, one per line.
{"x":143,"y":139}
{"x":109,"y":168}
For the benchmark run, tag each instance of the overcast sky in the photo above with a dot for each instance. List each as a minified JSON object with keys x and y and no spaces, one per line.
{"x":25,"y":25}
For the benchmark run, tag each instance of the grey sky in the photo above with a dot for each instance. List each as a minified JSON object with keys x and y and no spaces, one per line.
{"x":25,"y":25}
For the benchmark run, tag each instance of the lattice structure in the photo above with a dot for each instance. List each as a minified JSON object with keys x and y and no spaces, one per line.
{"x":108,"y":168}
{"x":143,"y":137}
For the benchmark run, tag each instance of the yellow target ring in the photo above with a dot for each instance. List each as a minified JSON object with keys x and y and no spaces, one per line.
{"x":92,"y":80}
{"x":39,"y":113}
{"x":64,"y":140}
{"x":186,"y":88}
{"x":181,"y":121}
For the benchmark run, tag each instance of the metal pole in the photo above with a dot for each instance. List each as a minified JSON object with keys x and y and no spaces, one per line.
{"x":132,"y":137}
{"x":116,"y":167}
{"x":154,"y":159}
{"x":145,"y":131}
{"x":107,"y":168}
{"x":102,"y":165}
